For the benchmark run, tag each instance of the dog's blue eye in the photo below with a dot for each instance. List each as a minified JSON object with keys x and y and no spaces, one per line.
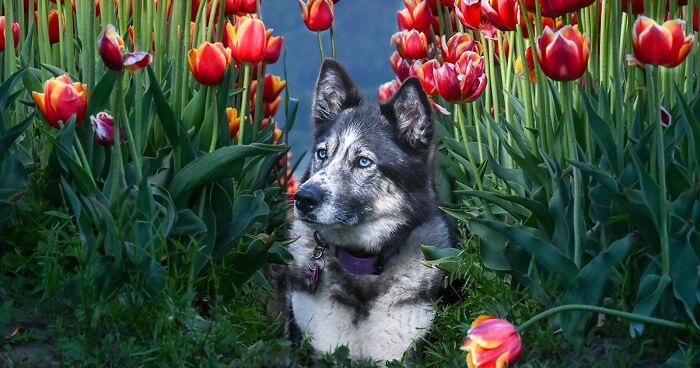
{"x":321,"y":154}
{"x":364,"y":162}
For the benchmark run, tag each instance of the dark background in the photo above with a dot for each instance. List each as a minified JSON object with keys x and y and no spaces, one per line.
{"x":363,"y":29}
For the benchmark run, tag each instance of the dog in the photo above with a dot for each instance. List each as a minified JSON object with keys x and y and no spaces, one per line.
{"x":365,"y":206}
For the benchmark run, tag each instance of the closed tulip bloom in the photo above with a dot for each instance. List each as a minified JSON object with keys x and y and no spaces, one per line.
{"x":463,"y":82}
{"x":270,"y":108}
{"x":272,"y":87}
{"x":61,"y":99}
{"x":135,"y":61}
{"x":458,"y":44}
{"x":111,"y":46}
{"x":469,"y":13}
{"x":424,"y":73}
{"x":15,"y":33}
{"x":208,"y":62}
{"x":234,"y":121}
{"x":387,"y":90}
{"x":103,"y":128}
{"x":555,"y":8}
{"x":247,"y":40}
{"x":416,"y":15}
{"x":656,"y":44}
{"x":520,"y":68}
{"x":638,"y":5}
{"x":563,"y":55}
{"x":400,"y":66}
{"x":273,"y":47}
{"x":411,"y":44}
{"x":317,"y":14}
{"x":492,"y":342}
{"x":501,"y":13}
{"x":53,"y":26}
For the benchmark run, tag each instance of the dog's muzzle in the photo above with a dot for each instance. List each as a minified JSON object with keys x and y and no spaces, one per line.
{"x":308,"y":198}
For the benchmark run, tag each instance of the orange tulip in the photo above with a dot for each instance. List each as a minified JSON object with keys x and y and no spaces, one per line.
{"x":387,"y":90}
{"x":457,"y":45}
{"x":469,"y":13}
{"x":492,"y":343}
{"x":317,"y":14}
{"x":563,"y":55}
{"x":270,"y":108}
{"x":417,"y":15}
{"x":247,"y":40}
{"x":412,"y":45}
{"x":61,"y":99}
{"x":501,"y":13}
{"x":424,"y":73}
{"x":664,"y":44}
{"x":555,"y":8}
{"x":208,"y":62}
{"x":111,"y":46}
{"x":234,"y":121}
{"x":15,"y":33}
{"x":272,"y":87}
{"x":273,"y":47}
{"x":400,"y":66}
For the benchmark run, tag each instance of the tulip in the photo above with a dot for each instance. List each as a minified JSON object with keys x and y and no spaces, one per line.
{"x":555,"y":8}
{"x":457,"y":45}
{"x":247,"y":40}
{"x":135,"y":61}
{"x":292,"y":188}
{"x":270,"y":108}
{"x":469,"y":13}
{"x":400,"y":66}
{"x":234,"y":122}
{"x":492,"y":342}
{"x":546,"y":22}
{"x":111,"y":46}
{"x":15,"y":33}
{"x":519,"y":68}
{"x":272,"y":87}
{"x":103,"y":127}
{"x":656,"y":44}
{"x":501,"y":13}
{"x":444,"y":3}
{"x":62,"y":99}
{"x":273,"y":47}
{"x":424,"y":73}
{"x":464,"y":82}
{"x":317,"y":14}
{"x":208,"y":62}
{"x":412,"y":45}
{"x":417,"y":15}
{"x":666,"y":118}
{"x":638,"y":5}
{"x":387,"y":90}
{"x":241,"y":6}
{"x":563,"y":55}
{"x":52,"y":24}
{"x":276,"y":135}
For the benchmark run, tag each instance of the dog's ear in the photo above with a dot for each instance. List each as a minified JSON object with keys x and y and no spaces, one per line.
{"x":411,"y":112}
{"x":335,"y":91}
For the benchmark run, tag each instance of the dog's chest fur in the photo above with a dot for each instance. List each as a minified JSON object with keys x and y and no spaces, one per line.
{"x":376,"y":316}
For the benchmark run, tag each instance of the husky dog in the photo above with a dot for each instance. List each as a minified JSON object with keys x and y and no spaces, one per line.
{"x":367,"y":204}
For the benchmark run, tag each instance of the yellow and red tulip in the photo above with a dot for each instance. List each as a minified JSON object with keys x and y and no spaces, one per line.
{"x":520,"y":69}
{"x":457,"y":45}
{"x":317,"y":14}
{"x":270,"y":108}
{"x":272,"y":87}
{"x":247,"y":40}
{"x":103,"y":128}
{"x":665,"y":44}
{"x":234,"y":121}
{"x":416,"y":15}
{"x":62,"y":99}
{"x":135,"y":61}
{"x":464,"y":81}
{"x":501,"y":13}
{"x":15,"y":33}
{"x":387,"y":90}
{"x":425,"y":74}
{"x":469,"y":13}
{"x":563,"y":55}
{"x":492,"y":343}
{"x":273,"y":47}
{"x":411,"y":45}
{"x":400,"y":66}
{"x":208,"y":62}
{"x":111,"y":46}
{"x":555,"y":8}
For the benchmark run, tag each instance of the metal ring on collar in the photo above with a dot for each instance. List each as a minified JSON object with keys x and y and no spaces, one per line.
{"x":315,"y":263}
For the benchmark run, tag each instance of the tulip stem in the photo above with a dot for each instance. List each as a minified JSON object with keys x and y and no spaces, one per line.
{"x":332,"y":41}
{"x":215,"y":121}
{"x":613,"y":312}
{"x":118,"y":163}
{"x":81,"y":154}
{"x":573,"y":155}
{"x":320,"y":45}
{"x":244,"y":101}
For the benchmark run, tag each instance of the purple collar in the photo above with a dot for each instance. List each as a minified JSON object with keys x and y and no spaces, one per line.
{"x":360,"y":265}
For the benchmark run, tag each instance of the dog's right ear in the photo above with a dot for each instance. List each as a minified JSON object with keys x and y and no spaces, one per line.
{"x":410,"y":110}
{"x":335,"y":92}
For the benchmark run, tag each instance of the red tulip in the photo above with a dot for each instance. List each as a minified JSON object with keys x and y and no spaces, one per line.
{"x":638,"y":5}
{"x":656,"y":44}
{"x":444,"y":3}
{"x":317,"y":14}
{"x":492,"y":342}
{"x":411,"y":44}
{"x":555,"y":8}
{"x":270,"y":108}
{"x":208,"y":62}
{"x":501,"y":13}
{"x":61,"y":99}
{"x":400,"y":66}
{"x":52,"y":24}
{"x":247,"y":40}
{"x":457,"y":45}
{"x":292,"y":188}
{"x":417,"y":15}
{"x":111,"y":46}
{"x":563,"y":55}
{"x":463,"y":82}
{"x":546,"y":22}
{"x":469,"y":13}
{"x":103,"y":128}
{"x":15,"y":33}
{"x":387,"y":90}
{"x":424,"y":73}
{"x":135,"y":61}
{"x":273,"y":47}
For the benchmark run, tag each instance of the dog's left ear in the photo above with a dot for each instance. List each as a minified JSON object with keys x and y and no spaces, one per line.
{"x":335,"y":92}
{"x":412,"y":113}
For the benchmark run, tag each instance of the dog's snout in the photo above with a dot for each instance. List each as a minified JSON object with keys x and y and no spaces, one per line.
{"x":306,"y":199}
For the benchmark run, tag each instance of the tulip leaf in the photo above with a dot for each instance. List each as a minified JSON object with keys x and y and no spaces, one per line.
{"x":651,"y":289}
{"x":446,"y":259}
{"x":57,"y":72}
{"x":601,"y":132}
{"x":684,"y":273}
{"x":650,"y":190}
{"x":165,"y":112}
{"x":83,"y":179}
{"x":9,"y":137}
{"x":7,"y":88}
{"x":188,"y":223}
{"x":692,"y":129}
{"x":194,"y":111}
{"x":492,"y":245}
{"x":250,"y":214}
{"x":99,"y":96}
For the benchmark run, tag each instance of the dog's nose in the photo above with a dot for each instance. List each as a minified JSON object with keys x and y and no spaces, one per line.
{"x":306,"y":199}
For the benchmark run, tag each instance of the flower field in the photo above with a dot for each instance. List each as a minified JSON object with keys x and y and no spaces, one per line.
{"x":146,"y":180}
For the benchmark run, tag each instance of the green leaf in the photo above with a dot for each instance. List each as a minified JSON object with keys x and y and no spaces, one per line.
{"x":650,"y":190}
{"x":167,"y":117}
{"x":601,"y":133}
{"x":684,"y":273}
{"x":99,"y":96}
{"x":188,"y":223}
{"x":492,"y":246}
{"x":81,"y":176}
{"x":194,"y":111}
{"x":8,"y":139}
{"x":446,"y":259}
{"x":651,"y":288}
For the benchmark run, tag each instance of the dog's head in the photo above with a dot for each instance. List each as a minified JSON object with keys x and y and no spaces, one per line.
{"x":371,"y":170}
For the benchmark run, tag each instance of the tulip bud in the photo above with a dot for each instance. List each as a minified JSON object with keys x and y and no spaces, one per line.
{"x":317,"y":14}
{"x":417,"y":15}
{"x":103,"y":127}
{"x":492,"y":342}
{"x":469,"y":13}
{"x":135,"y":61}
{"x":247,"y":40}
{"x":501,"y":13}
{"x":61,"y":99}
{"x":563,"y":55}
{"x":111,"y":46}
{"x":400,"y":66}
{"x":387,"y":90}
{"x":52,"y":21}
{"x":208,"y":62}
{"x":412,"y":45}
{"x":664,"y":44}
{"x":15,"y":33}
{"x":520,"y":68}
{"x":273,"y":47}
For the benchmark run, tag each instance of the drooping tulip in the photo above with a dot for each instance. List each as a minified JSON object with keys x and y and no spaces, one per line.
{"x":103,"y":128}
{"x":464,"y":81}
{"x":563,"y":55}
{"x":416,"y":15}
{"x":665,"y":44}
{"x":273,"y":47}
{"x":492,"y":342}
{"x":501,"y":13}
{"x":208,"y":62}
{"x":458,"y":44}
{"x":555,"y":8}
{"x":424,"y":73}
{"x":317,"y":14}
{"x":62,"y":99}
{"x":469,"y":13}
{"x":387,"y":90}
{"x":135,"y":61}
{"x":247,"y":40}
{"x":111,"y":46}
{"x":15,"y":33}
{"x":412,"y":45}
{"x":400,"y":66}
